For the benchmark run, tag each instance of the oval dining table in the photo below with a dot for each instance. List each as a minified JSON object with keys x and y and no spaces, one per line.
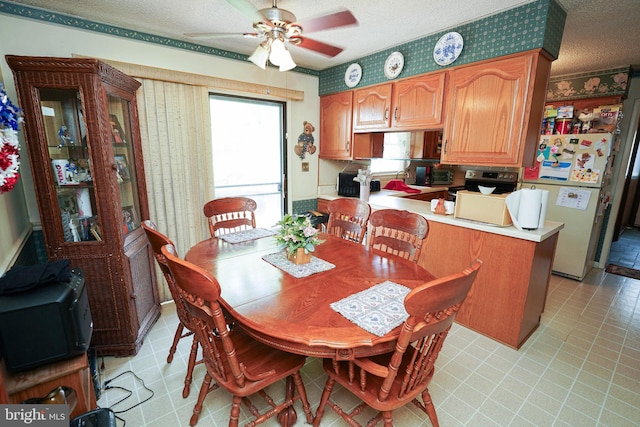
{"x":293,"y":314}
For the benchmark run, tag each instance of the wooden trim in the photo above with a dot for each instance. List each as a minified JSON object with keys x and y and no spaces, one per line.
{"x":216,"y":83}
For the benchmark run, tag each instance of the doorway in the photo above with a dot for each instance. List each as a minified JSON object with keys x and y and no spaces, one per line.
{"x":248,"y":141}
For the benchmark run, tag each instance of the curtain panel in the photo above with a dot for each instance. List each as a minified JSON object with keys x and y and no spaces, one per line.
{"x":175,"y":128}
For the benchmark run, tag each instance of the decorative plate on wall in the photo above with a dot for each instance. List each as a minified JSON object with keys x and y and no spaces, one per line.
{"x":353,"y":75}
{"x":448,"y":48}
{"x":393,"y":65}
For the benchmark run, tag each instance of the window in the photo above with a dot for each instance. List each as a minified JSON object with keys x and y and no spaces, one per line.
{"x":397,"y":146}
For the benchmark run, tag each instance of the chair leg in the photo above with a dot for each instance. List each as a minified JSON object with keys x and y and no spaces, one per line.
{"x":190,"y":366}
{"x":306,"y":407}
{"x":176,"y":338}
{"x":235,"y":412}
{"x":430,"y":409}
{"x":204,"y":390}
{"x":388,"y":420}
{"x":326,"y":393}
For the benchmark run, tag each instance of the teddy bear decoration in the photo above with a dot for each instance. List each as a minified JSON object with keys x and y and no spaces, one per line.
{"x":305,"y":141}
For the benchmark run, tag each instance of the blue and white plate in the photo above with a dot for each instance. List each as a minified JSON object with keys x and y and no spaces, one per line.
{"x":353,"y":75}
{"x":448,"y":48}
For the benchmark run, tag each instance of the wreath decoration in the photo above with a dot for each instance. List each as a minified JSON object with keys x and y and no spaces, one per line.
{"x":10,"y":116}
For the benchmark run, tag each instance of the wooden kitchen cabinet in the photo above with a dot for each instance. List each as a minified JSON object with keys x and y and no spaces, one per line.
{"x":83,"y":137}
{"x":368,"y":145}
{"x":432,"y":146}
{"x":507,"y":298}
{"x":335,"y":126}
{"x":411,"y":104}
{"x":371,"y":108}
{"x":494,"y":111}
{"x":417,"y":102}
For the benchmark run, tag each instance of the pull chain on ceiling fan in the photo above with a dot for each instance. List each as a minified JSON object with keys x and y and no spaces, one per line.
{"x":279,"y":28}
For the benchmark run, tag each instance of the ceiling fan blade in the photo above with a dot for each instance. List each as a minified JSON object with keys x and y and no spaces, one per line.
{"x":334,"y":20}
{"x":247,"y":9}
{"x":222,"y":35}
{"x":320,"y":47}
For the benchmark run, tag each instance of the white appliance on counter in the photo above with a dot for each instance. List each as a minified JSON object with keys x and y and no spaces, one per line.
{"x":576,"y":170}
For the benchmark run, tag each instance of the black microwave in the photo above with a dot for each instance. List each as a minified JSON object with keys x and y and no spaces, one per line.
{"x":350,"y":188}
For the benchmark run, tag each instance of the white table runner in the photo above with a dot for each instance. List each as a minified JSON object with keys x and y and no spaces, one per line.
{"x":298,"y":271}
{"x":378,"y":309}
{"x":246,"y":235}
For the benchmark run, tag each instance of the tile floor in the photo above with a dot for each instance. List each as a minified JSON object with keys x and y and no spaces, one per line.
{"x":580,"y":368}
{"x":626,"y":251}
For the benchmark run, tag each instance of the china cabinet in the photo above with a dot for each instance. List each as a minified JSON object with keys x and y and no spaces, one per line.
{"x":335,"y":126}
{"x":82,"y":133}
{"x":494,"y":111}
{"x":409,"y":104}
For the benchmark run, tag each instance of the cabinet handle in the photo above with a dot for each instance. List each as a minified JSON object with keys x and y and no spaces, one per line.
{"x":444,"y":147}
{"x":386,"y":113}
{"x":347,"y":145}
{"x":395,"y":113}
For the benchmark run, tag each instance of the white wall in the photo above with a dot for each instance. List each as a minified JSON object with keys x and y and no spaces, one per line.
{"x":35,"y":38}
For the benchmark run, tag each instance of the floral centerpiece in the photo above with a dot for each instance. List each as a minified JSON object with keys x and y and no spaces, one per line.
{"x":297,"y":237}
{"x":10,"y":116}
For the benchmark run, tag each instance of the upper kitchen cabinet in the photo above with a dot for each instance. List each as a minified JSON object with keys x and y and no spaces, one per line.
{"x":335,"y":126}
{"x":494,"y":111}
{"x":371,"y":107}
{"x":410,"y":104}
{"x":417,"y":102}
{"x":82,"y":134}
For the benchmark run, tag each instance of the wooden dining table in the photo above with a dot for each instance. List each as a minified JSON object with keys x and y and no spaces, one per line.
{"x":293,"y":314}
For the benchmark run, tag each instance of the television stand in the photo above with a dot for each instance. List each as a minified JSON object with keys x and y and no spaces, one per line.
{"x":38,"y":382}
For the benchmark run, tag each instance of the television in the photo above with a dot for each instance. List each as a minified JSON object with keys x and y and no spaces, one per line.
{"x":45,"y":324}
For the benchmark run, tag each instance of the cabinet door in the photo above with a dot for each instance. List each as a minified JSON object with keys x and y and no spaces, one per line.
{"x":73,"y":211}
{"x":372,"y":107}
{"x":335,"y":126}
{"x":417,"y":102}
{"x":485,"y":120}
{"x":125,"y":162}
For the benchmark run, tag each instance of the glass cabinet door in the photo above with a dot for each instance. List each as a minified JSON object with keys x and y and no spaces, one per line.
{"x":70,"y":155}
{"x":125,"y":161}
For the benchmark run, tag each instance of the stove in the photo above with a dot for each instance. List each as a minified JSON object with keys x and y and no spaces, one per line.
{"x":504,"y":181}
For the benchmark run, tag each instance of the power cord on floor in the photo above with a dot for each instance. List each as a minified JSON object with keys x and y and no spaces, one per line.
{"x":107,"y":386}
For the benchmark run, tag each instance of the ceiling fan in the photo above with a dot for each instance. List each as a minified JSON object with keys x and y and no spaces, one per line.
{"x":279,"y":27}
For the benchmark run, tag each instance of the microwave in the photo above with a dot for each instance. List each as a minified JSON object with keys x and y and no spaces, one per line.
{"x":350,"y":188}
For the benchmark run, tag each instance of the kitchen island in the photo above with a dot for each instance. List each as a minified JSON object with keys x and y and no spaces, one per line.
{"x":507,"y":299}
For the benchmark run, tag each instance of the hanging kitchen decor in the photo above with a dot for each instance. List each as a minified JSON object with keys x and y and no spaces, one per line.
{"x":305,"y":141}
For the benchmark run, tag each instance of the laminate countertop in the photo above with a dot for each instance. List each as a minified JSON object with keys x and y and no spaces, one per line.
{"x":391,"y":199}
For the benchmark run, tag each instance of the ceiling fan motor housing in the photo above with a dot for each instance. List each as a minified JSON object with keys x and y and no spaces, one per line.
{"x":282,"y":21}
{"x":278,"y":17}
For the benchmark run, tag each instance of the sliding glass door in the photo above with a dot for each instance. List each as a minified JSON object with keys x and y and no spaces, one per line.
{"x":248,"y":155}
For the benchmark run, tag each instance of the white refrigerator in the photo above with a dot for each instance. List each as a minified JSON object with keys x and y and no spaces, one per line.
{"x":576,"y":170}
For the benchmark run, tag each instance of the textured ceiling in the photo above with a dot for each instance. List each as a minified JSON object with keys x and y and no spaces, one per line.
{"x":598,"y":34}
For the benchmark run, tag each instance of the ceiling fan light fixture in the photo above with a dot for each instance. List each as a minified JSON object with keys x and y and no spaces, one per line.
{"x":278,"y":52}
{"x":287,"y":61}
{"x":260,"y":56}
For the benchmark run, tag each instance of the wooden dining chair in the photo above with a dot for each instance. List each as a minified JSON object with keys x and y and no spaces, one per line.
{"x":185,"y":323}
{"x":237,"y":362}
{"x":229,"y":214}
{"x":397,"y":232}
{"x":390,"y":381}
{"x":348,"y":218}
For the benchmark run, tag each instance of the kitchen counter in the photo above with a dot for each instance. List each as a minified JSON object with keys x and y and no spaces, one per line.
{"x":508,"y":296}
{"x":391,"y":199}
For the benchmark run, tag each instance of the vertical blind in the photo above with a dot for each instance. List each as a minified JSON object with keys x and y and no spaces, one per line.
{"x":175,"y":130}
